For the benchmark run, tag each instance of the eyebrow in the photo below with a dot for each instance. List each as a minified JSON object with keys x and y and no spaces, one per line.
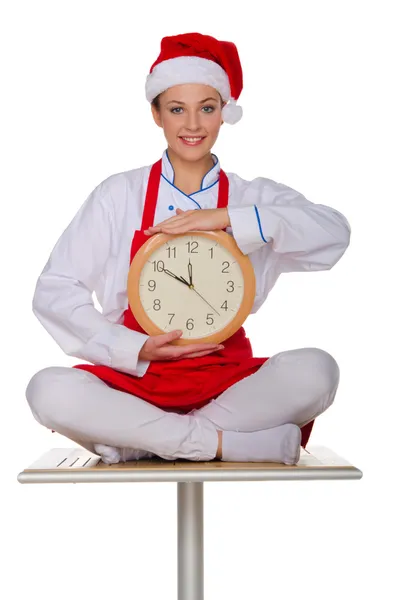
{"x":201,"y":101}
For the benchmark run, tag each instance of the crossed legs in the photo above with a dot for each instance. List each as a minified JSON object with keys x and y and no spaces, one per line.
{"x":294,"y":386}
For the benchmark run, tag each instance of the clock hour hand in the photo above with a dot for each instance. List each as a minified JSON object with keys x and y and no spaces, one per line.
{"x":184,"y":280}
{"x":181,"y":279}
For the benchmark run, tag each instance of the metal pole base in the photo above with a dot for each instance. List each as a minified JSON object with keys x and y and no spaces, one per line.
{"x":190,"y":541}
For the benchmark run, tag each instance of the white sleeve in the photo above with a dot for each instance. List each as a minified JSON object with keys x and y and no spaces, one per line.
{"x":63,"y":298}
{"x":304,"y":235}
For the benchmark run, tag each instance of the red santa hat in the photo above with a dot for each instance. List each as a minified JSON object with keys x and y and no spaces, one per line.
{"x":198,"y":58}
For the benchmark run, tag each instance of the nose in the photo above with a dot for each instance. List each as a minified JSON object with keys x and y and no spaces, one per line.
{"x":193,"y":122}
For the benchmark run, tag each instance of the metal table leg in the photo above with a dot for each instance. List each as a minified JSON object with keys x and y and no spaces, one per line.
{"x":190,"y":541}
{"x":78,"y":465}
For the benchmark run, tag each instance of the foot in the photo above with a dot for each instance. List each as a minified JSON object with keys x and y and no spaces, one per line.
{"x":134,"y":454}
{"x":279,"y":444}
{"x":108,"y":454}
{"x":111,"y":454}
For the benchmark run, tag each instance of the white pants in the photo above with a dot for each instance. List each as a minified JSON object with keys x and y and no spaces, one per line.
{"x":294,"y":386}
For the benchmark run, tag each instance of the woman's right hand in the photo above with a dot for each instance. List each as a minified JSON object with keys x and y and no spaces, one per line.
{"x":158,"y":347}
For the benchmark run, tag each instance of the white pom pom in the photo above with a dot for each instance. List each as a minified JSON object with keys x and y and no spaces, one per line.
{"x":231,"y":112}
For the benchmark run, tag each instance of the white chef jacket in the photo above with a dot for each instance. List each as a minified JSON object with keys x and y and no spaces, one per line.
{"x":276,"y":226}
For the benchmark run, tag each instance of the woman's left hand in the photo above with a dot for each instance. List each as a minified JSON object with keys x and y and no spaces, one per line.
{"x":206,"y":219}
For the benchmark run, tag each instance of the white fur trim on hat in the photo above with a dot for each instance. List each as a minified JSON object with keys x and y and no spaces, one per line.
{"x":186,"y":69}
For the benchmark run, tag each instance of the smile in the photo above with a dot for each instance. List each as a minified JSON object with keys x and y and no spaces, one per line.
{"x":192,"y":141}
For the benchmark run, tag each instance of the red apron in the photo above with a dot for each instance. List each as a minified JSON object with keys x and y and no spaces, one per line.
{"x":189,"y":383}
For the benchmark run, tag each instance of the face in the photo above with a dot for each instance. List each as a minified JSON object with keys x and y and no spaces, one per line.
{"x":184,"y":114}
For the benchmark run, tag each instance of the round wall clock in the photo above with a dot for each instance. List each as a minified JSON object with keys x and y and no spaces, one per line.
{"x":199,"y":282}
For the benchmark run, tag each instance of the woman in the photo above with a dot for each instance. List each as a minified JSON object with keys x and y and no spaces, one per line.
{"x":141,"y":395}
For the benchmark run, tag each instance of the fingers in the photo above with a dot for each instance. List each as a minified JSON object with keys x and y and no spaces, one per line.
{"x":192,"y":355}
{"x":182,"y":221}
{"x":199,"y":347}
{"x":173,"y":219}
{"x":165,"y":351}
{"x":172,"y":228}
{"x":195,"y":350}
{"x":165,"y":338}
{"x":196,"y":354}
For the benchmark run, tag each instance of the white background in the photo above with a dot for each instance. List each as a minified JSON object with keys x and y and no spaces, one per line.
{"x":319,"y":116}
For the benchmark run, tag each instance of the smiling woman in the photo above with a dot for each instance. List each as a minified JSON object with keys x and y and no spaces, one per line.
{"x":190,"y":116}
{"x":139,"y":394}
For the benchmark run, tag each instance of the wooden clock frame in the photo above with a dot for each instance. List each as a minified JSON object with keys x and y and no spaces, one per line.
{"x":159,"y":239}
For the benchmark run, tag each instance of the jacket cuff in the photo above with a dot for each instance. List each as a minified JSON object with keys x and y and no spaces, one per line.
{"x":124,"y":351}
{"x":247,"y":228}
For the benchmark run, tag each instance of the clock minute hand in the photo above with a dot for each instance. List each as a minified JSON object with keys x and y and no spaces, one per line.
{"x":194,"y":290}
{"x":190,"y":269}
{"x":191,"y":286}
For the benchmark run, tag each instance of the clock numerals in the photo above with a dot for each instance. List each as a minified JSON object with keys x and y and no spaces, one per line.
{"x":190,"y":322}
{"x":192,"y":247}
{"x":209,"y":288}
{"x":232,"y":284}
{"x":158,"y":265}
{"x":152,"y":286}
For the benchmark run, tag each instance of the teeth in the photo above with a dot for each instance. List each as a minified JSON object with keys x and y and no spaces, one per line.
{"x":192,"y":139}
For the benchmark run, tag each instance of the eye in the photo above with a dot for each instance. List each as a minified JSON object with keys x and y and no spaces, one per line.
{"x":212,"y":108}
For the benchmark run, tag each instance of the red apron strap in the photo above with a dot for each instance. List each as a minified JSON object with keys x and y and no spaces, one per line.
{"x":223,"y":190}
{"x":149,"y":208}
{"x":151,"y":196}
{"x":151,"y":202}
{"x":152,"y":192}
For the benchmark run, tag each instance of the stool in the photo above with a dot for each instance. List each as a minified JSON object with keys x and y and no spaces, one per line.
{"x":78,"y":465}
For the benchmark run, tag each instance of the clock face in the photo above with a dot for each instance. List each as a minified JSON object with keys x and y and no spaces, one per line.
{"x":199,"y":310}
